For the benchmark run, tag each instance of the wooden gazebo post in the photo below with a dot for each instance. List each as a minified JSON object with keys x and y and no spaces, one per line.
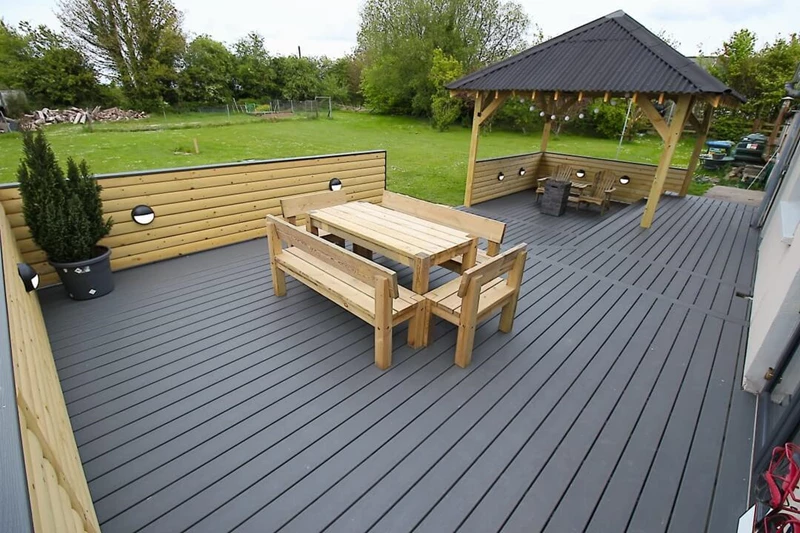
{"x":484,"y":108}
{"x":671,"y":137}
{"x":702,"y":134}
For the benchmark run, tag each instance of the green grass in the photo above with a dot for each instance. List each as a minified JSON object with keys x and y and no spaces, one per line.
{"x":421,"y":161}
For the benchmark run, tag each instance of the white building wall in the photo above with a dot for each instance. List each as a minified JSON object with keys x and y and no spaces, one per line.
{"x":775,"y":309}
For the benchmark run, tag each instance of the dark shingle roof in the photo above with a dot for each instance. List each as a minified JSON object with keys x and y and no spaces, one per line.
{"x":613,"y":53}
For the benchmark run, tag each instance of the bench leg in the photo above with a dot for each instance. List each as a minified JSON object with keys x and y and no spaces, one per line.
{"x":363,"y":252}
{"x":466,"y":324}
{"x":507,"y":315}
{"x":515,"y":280}
{"x":278,"y":275}
{"x":383,"y":325}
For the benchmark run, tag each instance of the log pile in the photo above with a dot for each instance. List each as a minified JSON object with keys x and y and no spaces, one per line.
{"x":74,"y":115}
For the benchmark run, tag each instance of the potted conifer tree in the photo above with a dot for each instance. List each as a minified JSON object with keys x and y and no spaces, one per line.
{"x":65,"y":217}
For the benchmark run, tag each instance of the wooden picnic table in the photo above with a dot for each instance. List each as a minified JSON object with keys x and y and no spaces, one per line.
{"x":409,"y":240}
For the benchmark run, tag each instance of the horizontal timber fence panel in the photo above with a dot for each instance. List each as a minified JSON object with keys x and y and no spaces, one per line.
{"x":57,"y":489}
{"x":487,"y":186}
{"x":200,"y":208}
{"x":641,"y":174}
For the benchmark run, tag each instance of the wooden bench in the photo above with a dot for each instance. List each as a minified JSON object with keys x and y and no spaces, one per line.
{"x":299,"y":205}
{"x":366,"y":289}
{"x":476,"y":226}
{"x":475,"y":295}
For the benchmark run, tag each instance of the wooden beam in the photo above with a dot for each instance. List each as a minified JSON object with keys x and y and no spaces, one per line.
{"x":655,"y":118}
{"x":702,"y":135}
{"x":695,"y":122}
{"x":660,"y":98}
{"x":580,"y":96}
{"x":675,"y":129}
{"x":555,"y":96}
{"x":606,"y":96}
{"x":493,"y":106}
{"x":473,"y":148}
{"x":545,"y":135}
{"x":635,"y":97}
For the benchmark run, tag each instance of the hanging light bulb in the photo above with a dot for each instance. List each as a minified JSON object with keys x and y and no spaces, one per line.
{"x":552,"y":117}
{"x":581,"y":116}
{"x":596,"y":110}
{"x":541,"y":113}
{"x":566,"y":118}
{"x":531,"y":108}
{"x":521,"y":100}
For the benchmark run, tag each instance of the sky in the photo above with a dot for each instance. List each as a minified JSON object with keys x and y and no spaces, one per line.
{"x":329,"y":27}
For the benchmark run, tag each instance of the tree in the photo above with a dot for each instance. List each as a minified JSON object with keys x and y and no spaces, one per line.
{"x":398,"y":39}
{"x":298,"y":77}
{"x":444,"y":109}
{"x":138,"y":41}
{"x":13,"y":55}
{"x":254,"y":75}
{"x":207,"y":74}
{"x":45,"y":65}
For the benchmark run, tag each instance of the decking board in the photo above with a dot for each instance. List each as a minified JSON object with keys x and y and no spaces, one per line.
{"x":201,"y":402}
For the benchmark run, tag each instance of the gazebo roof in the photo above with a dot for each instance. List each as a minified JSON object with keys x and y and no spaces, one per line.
{"x":613,"y":54}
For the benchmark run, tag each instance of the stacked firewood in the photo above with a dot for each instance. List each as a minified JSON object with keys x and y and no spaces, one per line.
{"x":74,"y":115}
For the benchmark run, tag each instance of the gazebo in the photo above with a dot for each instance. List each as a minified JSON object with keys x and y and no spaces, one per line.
{"x":611,"y":57}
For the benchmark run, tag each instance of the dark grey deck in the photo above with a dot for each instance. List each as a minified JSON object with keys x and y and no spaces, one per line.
{"x":200,"y":401}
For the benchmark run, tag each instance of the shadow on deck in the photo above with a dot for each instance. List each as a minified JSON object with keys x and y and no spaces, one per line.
{"x":200,"y":401}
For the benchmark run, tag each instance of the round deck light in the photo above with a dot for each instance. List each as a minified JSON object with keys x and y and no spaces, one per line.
{"x":522,"y":171}
{"x":501,"y":176}
{"x":580,"y":173}
{"x":335,"y":184}
{"x":625,"y":180}
{"x":143,"y":214}
{"x":29,"y":276}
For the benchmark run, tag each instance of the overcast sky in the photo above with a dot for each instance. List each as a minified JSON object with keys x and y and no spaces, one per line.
{"x":329,"y":27}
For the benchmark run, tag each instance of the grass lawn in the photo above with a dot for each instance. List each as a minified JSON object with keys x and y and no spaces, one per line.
{"x":421,"y":161}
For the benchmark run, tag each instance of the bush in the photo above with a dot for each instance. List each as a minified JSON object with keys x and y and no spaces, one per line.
{"x":730,"y":126}
{"x":65,"y":215}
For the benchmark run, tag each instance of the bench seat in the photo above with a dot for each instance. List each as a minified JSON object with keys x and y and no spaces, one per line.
{"x":493,"y":294}
{"x":349,"y":292}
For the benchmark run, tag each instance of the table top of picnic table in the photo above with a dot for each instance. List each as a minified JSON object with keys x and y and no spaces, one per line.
{"x":396,"y":235}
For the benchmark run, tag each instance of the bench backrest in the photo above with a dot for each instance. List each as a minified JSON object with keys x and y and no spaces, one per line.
{"x":336,"y":256}
{"x":476,"y":226}
{"x":294,"y":206}
{"x":492,"y":268}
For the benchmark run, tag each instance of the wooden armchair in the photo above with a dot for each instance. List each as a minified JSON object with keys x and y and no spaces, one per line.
{"x":601,"y":192}
{"x":475,"y":295}
{"x":301,"y":204}
{"x":562,"y":173}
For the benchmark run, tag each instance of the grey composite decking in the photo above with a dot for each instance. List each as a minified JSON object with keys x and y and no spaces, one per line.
{"x":201,"y":402}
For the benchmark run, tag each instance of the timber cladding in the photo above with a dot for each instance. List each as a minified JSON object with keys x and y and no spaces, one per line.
{"x":641,"y":174}
{"x":205,"y":207}
{"x":59,"y":494}
{"x":486,"y":186}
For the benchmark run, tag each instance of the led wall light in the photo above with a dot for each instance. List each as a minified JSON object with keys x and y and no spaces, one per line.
{"x":580,"y":173}
{"x":143,"y":214}
{"x":335,"y":184}
{"x":29,"y":276}
{"x":522,"y":171}
{"x":501,"y":176}
{"x":625,"y":180}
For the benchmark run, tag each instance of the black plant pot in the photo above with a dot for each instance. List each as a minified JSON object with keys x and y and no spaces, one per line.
{"x":85,"y":280}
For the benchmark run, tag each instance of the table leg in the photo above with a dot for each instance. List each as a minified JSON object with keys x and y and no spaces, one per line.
{"x":419,"y":326}
{"x":470,"y":256}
